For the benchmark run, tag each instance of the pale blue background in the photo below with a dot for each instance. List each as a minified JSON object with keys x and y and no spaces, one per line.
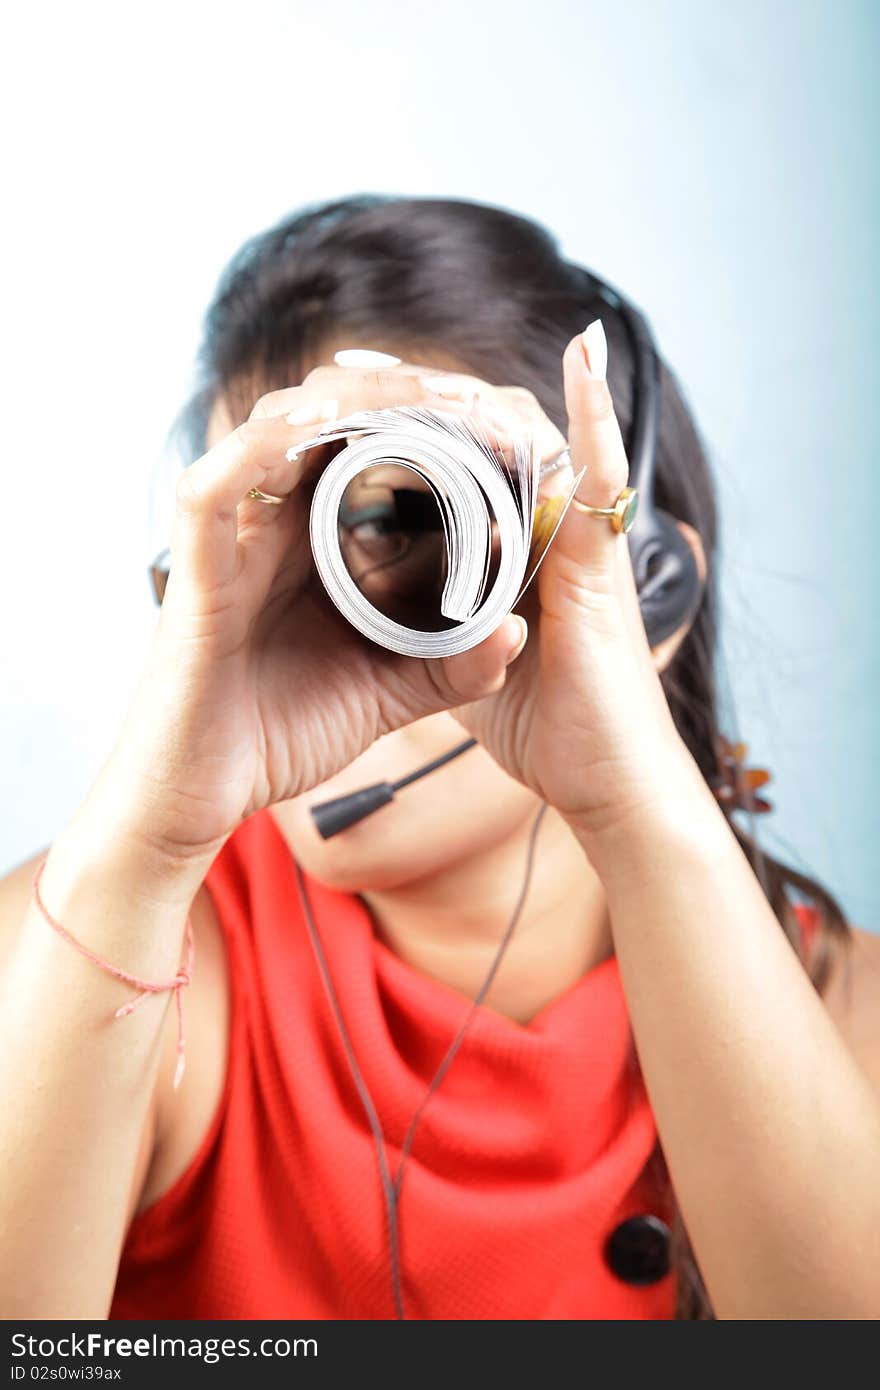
{"x":716,"y":160}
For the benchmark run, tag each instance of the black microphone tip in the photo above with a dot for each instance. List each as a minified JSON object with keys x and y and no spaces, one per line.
{"x":332,"y":816}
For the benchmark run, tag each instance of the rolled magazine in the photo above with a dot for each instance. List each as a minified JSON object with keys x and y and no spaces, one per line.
{"x":427,"y":526}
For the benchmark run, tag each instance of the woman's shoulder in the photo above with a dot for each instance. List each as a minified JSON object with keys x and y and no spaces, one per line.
{"x":16,"y":886}
{"x":852,"y":997}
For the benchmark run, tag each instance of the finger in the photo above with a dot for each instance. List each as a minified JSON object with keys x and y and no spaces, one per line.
{"x":596,"y":447}
{"x":507,"y":408}
{"x":416,"y":688}
{"x":482,"y":670}
{"x":204,"y":550}
{"x":351,"y":389}
{"x":529,"y":409}
{"x":275,"y":553}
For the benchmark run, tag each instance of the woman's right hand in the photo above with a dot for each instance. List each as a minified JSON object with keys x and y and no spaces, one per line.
{"x":256,"y":688}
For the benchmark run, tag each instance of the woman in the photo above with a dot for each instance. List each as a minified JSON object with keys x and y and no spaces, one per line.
{"x":548,"y":1162}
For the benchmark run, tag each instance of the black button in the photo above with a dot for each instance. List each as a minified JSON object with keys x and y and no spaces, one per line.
{"x":637,"y":1250}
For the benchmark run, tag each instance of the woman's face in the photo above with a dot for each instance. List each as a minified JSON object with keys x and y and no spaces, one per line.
{"x":464,"y":809}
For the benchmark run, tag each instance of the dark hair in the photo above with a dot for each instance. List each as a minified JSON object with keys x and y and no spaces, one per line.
{"x":493,"y":290}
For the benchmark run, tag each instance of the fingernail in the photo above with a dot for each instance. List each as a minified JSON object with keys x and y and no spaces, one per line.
{"x":329,"y":415}
{"x":364,"y":357}
{"x":447,"y":386}
{"x":524,"y":634}
{"x":595,"y":349}
{"x":313,"y":415}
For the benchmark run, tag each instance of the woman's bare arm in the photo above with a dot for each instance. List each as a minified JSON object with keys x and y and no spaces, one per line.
{"x":769,"y":1123}
{"x":78,"y":1088}
{"x":852,"y":998}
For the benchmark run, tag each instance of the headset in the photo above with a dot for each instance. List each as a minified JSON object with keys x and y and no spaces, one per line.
{"x":666,"y":575}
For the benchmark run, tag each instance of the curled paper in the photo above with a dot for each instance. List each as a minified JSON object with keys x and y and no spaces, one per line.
{"x":486,"y":493}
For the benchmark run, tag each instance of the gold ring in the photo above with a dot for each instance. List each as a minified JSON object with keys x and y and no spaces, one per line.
{"x":259,"y":496}
{"x":621,"y":515}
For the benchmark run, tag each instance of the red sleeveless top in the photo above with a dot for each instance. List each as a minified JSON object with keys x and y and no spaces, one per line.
{"x":534,"y":1149}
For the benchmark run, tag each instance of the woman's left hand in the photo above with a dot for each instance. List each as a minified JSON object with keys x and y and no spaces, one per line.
{"x":582,"y":718}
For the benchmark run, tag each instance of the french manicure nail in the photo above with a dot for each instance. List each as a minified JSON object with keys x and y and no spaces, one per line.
{"x":447,"y":386}
{"x":313,"y":415}
{"x":329,"y":414}
{"x":595,"y":349}
{"x":364,"y":357}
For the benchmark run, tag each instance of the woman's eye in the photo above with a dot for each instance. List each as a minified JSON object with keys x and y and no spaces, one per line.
{"x":372,"y":514}
{"x":374,"y":529}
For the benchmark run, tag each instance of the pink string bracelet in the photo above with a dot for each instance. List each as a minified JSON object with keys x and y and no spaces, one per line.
{"x":146,"y":987}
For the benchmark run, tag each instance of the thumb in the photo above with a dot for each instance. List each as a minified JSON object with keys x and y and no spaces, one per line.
{"x":483,"y":669}
{"x":428,"y":686}
{"x":597,"y":449}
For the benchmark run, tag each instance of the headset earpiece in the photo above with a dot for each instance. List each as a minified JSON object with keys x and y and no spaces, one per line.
{"x":666,"y":574}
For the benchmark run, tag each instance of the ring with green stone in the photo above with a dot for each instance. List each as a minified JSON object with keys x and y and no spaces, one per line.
{"x":621,"y":515}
